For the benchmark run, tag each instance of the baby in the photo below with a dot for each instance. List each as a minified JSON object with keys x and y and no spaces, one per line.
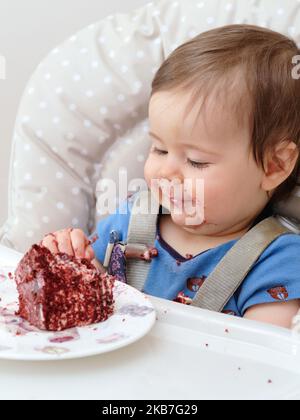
{"x":224,"y":109}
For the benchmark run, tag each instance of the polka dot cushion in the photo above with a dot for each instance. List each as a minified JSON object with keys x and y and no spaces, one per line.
{"x":83,"y":115}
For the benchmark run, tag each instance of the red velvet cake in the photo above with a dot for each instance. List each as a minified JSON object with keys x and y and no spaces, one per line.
{"x":58,"y":291}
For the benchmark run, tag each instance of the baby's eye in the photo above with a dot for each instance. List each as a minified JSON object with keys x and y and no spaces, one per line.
{"x":199,"y":165}
{"x":159,"y":152}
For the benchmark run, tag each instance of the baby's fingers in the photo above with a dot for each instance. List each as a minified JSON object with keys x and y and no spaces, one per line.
{"x":51,"y":243}
{"x":64,"y":241}
{"x":89,"y":253}
{"x":79,"y":242}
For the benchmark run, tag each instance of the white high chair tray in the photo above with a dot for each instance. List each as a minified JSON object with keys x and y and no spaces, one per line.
{"x":188,"y":354}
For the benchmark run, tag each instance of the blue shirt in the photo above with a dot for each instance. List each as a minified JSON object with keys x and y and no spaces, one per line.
{"x":275,"y":277}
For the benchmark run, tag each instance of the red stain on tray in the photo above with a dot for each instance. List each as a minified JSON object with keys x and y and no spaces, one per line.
{"x":14,"y":324}
{"x":61,"y":339}
{"x":64,"y":336}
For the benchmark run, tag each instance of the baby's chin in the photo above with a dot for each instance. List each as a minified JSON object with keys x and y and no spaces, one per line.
{"x":188,"y":215}
{"x":188,"y":222}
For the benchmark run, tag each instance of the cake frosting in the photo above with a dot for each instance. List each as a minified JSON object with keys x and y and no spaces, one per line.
{"x":58,"y":291}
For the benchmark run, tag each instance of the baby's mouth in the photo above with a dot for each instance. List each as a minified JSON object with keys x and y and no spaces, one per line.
{"x":179,"y":198}
{"x":180,"y":203}
{"x":175,"y":202}
{"x":187,"y":208}
{"x":175,"y":198}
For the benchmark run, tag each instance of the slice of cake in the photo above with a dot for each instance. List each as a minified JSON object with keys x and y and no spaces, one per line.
{"x":57,"y":291}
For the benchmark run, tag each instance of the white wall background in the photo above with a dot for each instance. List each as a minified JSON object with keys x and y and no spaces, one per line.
{"x":29,"y":29}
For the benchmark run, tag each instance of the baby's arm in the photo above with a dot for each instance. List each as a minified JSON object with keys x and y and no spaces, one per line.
{"x":278,"y":313}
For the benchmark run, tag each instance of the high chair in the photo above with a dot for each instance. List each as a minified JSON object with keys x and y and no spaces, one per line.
{"x":83,"y":117}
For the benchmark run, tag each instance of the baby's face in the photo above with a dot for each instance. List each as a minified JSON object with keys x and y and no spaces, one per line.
{"x":211,"y":148}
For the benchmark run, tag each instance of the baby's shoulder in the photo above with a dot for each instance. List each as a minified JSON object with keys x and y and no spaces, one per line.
{"x":288,"y":243}
{"x":275,"y":275}
{"x":281,"y":254}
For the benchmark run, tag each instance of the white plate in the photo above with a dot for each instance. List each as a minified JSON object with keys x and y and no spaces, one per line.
{"x":133,"y":318}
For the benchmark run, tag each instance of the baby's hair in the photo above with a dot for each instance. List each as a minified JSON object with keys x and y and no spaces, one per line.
{"x":258,"y":62}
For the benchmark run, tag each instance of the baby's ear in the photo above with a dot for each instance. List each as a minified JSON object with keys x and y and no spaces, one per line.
{"x":279,"y":164}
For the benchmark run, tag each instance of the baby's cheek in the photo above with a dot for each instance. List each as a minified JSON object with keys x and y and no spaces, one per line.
{"x":150,"y":170}
{"x":216,"y":192}
{"x":147,"y":172}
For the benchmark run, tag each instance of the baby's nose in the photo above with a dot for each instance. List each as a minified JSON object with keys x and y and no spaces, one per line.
{"x":170,"y":171}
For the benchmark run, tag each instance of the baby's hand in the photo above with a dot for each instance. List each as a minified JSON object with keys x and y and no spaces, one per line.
{"x":72,"y":242}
